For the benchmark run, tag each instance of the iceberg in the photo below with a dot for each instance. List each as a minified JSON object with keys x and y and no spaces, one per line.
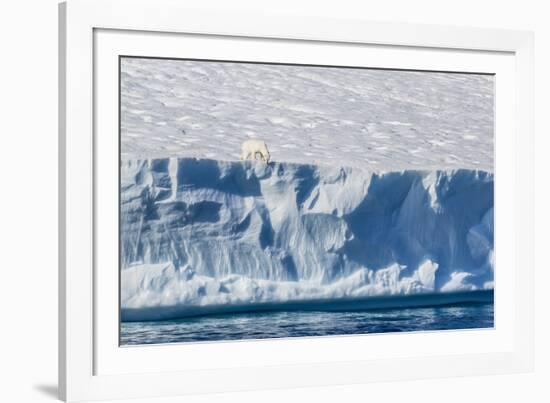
{"x":206,"y":236}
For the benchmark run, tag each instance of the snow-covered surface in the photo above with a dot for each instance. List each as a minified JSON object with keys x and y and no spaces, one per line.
{"x":384,"y":120}
{"x":199,"y":232}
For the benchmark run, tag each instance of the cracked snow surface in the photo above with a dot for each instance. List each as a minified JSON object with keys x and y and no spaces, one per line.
{"x":385,"y":120}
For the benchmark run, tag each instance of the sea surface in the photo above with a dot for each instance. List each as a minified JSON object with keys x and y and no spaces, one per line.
{"x":280,"y":324}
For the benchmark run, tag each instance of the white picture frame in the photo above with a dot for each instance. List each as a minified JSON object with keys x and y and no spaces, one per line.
{"x":92,"y":365}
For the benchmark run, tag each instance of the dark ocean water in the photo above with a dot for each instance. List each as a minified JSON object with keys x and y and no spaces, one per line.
{"x":261,"y":325}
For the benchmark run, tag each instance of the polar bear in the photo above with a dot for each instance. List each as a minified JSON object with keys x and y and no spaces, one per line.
{"x":250,"y":148}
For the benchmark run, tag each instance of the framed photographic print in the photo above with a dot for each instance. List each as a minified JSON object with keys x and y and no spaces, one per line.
{"x":286,"y":199}
{"x":264,"y":201}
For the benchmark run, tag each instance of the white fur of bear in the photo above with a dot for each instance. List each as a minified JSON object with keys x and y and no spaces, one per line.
{"x":252,"y":147}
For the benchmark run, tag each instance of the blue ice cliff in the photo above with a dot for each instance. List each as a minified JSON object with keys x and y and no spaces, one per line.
{"x":200,"y":235}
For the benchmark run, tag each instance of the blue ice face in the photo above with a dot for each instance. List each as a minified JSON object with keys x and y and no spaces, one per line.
{"x":213,"y":232}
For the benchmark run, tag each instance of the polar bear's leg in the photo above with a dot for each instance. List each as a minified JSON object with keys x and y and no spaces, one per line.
{"x":264,"y":153}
